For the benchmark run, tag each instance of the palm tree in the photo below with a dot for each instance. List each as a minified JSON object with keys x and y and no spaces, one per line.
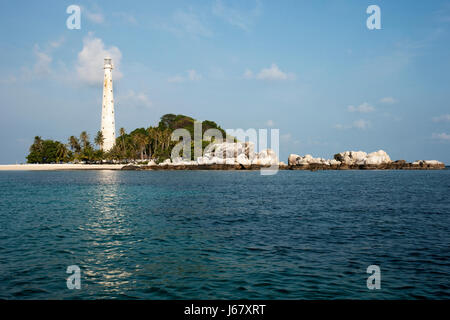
{"x":84,"y":137}
{"x":74,"y":144}
{"x":152,"y":140}
{"x":140,"y":140}
{"x":122,"y":134}
{"x":99,"y":140}
{"x":61,"y":152}
{"x":37,"y":144}
{"x":168,"y":136}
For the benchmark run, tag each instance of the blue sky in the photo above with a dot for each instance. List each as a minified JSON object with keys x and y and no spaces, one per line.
{"x":309,"y":68}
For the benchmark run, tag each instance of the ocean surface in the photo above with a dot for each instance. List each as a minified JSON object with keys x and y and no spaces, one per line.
{"x":225,"y":234}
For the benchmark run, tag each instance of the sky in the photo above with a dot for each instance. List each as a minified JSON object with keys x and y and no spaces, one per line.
{"x":311,"y":69}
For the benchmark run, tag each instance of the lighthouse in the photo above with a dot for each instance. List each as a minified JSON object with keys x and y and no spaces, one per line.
{"x":108,"y":124}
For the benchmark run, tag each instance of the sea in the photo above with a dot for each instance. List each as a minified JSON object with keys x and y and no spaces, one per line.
{"x":225,"y":235}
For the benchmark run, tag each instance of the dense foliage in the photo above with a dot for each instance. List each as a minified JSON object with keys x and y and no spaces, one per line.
{"x":142,"y":143}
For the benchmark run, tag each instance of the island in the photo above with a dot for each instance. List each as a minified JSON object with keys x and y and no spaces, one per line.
{"x":151,"y":148}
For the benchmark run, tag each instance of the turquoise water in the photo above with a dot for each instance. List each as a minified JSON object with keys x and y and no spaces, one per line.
{"x":225,"y":234}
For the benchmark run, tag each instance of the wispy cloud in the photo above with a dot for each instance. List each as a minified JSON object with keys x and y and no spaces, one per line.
{"x":184,"y":23}
{"x":236,"y":16}
{"x":43,"y":61}
{"x":388,"y":100}
{"x":362,"y":108}
{"x":443,"y":118}
{"x":271,"y":73}
{"x":57,"y":43}
{"x":43,"y":64}
{"x":441,"y":136}
{"x":94,"y":17}
{"x":134,"y":99}
{"x":358,"y":124}
{"x":443,"y":14}
{"x":191,"y":75}
{"x":126,"y":17}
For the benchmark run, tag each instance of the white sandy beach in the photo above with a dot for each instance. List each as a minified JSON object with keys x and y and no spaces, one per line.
{"x":65,"y":166}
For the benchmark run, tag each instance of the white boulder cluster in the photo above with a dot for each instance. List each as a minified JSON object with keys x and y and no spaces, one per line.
{"x":229,"y":153}
{"x":306,"y":160}
{"x":242,"y":156}
{"x":427,"y":162}
{"x":344,"y":158}
{"x":362,"y":158}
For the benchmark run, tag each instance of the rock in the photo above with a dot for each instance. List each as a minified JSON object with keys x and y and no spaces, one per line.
{"x":351,"y":157}
{"x":266,"y":157}
{"x":434,"y":163}
{"x":428,"y":164}
{"x":243,"y":160}
{"x":292,"y":160}
{"x":377,"y":158}
{"x":165,"y":162}
{"x":306,"y":160}
{"x":334,"y":162}
{"x":130,"y":168}
{"x":230,"y":150}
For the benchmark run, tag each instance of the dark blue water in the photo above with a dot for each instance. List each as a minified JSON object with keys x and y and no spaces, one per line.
{"x":226,"y":235}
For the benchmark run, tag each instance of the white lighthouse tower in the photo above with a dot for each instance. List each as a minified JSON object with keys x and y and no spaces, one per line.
{"x":108,"y":124}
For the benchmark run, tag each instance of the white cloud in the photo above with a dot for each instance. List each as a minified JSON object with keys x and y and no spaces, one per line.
{"x":134,"y":99}
{"x":286,"y":137}
{"x":388,"y":100}
{"x":183,"y":23}
{"x":248,"y":74}
{"x":94,"y":17}
{"x":242,"y":19}
{"x":90,"y":61}
{"x":176,"y":79}
{"x":57,"y":43}
{"x":191,"y":75}
{"x":43,"y":62}
{"x":271,"y":73}
{"x":270,"y":123}
{"x":358,"y":124}
{"x":443,"y":118}
{"x":441,"y":136}
{"x":362,"y":108}
{"x":361,"y":124}
{"x":126,"y":17}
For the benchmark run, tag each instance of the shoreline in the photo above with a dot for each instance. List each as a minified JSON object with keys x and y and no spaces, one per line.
{"x":212,"y":167}
{"x":59,"y":167}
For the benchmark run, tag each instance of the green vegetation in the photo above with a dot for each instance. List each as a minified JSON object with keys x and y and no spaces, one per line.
{"x":142,"y":143}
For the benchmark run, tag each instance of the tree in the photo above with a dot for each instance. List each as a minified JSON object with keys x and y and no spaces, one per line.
{"x":62,"y":153}
{"x":99,"y":140}
{"x":84,"y":138}
{"x":122,"y":135}
{"x":140,"y":140}
{"x":74,"y":144}
{"x":47,"y":151}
